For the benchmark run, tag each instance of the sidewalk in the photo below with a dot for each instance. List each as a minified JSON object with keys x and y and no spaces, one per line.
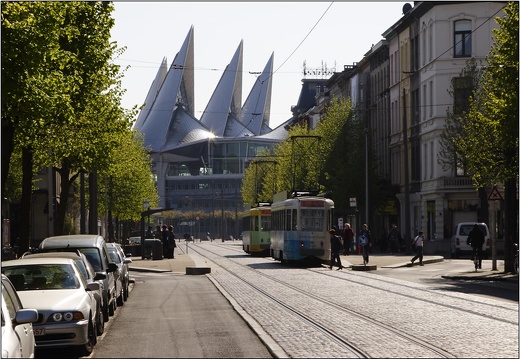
{"x":183,"y":260}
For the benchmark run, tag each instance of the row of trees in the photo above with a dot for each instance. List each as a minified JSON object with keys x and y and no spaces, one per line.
{"x":329,"y":158}
{"x":61,"y":108}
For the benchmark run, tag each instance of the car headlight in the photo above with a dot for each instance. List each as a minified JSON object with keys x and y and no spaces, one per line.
{"x":66,"y":316}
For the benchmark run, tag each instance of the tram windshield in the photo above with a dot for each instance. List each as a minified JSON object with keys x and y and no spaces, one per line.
{"x":313,"y":219}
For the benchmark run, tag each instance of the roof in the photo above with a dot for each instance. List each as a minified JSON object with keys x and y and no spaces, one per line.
{"x":72,"y":241}
{"x":167,"y":118}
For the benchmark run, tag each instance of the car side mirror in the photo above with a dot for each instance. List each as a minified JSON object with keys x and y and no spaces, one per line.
{"x":127,"y":261}
{"x":112,"y":267}
{"x":100,"y":276}
{"x":94,"y":286}
{"x":24,"y":316}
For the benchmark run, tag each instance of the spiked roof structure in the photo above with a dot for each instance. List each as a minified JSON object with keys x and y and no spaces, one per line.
{"x":167,"y":118}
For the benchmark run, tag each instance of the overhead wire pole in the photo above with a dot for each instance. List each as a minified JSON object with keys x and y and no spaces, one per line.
{"x":300,"y":156}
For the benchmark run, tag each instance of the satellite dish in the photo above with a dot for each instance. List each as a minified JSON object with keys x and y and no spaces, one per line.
{"x":406,"y":7}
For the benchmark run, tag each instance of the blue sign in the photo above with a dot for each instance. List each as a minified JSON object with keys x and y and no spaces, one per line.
{"x":362,"y":240}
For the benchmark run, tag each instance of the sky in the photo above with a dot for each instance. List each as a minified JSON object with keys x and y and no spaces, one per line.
{"x":323,"y":35}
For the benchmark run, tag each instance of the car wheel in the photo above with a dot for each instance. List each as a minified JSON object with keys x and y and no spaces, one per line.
{"x":125,"y":292}
{"x":100,"y":325}
{"x":112,"y":308}
{"x":86,"y":350}
{"x":105,"y":309}
{"x":120,"y":300}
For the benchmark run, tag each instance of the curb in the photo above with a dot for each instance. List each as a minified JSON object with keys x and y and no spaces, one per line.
{"x":141,"y":269}
{"x":488,"y":278}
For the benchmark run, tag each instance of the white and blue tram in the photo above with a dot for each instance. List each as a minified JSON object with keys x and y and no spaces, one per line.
{"x":256,"y":224}
{"x":299,"y":229}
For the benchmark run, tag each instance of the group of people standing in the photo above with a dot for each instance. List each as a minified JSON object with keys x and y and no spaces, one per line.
{"x":165,"y":234}
{"x":344,"y":242}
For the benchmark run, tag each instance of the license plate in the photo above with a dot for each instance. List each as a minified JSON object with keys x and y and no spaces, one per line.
{"x":38,"y":331}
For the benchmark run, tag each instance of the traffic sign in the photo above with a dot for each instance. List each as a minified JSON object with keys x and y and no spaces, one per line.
{"x":362,"y":240}
{"x":494,"y":195}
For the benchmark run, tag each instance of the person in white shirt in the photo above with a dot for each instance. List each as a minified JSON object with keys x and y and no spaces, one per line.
{"x":419,"y":243}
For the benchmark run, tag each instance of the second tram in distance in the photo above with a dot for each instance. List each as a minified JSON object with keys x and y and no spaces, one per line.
{"x":256,"y":235}
{"x":299,"y":229}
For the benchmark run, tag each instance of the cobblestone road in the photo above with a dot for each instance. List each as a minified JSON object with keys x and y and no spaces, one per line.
{"x":409,"y":319}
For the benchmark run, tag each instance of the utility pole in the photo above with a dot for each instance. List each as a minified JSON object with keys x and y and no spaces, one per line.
{"x":407,"y":237}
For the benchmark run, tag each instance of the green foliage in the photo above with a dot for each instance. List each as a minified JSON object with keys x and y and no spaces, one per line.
{"x":490,"y":141}
{"x":128,"y":179}
{"x":61,"y":91}
{"x":335,"y":166}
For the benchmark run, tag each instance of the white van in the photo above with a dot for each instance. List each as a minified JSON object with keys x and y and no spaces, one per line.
{"x":459,"y":247}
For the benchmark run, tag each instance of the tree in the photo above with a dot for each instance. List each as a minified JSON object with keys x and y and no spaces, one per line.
{"x":451,"y":156}
{"x":61,"y":94}
{"x":127,"y":181}
{"x":331,"y":168}
{"x":490,"y":141}
{"x":33,"y":86}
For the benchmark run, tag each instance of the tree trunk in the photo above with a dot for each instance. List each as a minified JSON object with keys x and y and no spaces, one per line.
{"x":25,"y":204}
{"x":61,"y":205}
{"x":7,"y":150}
{"x":510,"y":225}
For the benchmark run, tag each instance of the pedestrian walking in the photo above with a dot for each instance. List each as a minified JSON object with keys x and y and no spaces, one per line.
{"x":171,"y":243}
{"x":335,"y":249}
{"x":418,"y":242}
{"x":476,"y":240}
{"x":365,"y":242}
{"x":347,"y":235}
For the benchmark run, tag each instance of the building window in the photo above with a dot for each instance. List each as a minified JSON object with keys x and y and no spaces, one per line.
{"x":431,"y":99}
{"x":430,"y":43}
{"x":461,"y":94}
{"x":462,"y":38}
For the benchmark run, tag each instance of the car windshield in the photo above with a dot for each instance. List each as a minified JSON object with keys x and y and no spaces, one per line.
{"x":42,"y":276}
{"x":114,"y":255}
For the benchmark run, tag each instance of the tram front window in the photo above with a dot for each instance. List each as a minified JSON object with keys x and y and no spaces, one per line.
{"x":312,"y":220}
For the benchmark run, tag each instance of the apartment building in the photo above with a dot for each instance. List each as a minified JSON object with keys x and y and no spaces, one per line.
{"x":401,"y":90}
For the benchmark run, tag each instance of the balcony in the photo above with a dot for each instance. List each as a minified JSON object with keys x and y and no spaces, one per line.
{"x":454,"y":183}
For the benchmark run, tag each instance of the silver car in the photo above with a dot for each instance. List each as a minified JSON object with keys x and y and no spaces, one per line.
{"x":64,"y":300}
{"x":90,"y":275}
{"x":94,"y":248}
{"x":118,"y":257}
{"x":17,"y":331}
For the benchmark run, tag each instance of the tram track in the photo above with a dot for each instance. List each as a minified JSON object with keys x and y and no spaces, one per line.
{"x":326,"y":323}
{"x":449,"y":300}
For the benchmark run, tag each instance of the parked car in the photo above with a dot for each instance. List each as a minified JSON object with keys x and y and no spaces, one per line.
{"x":90,"y":275}
{"x":119,"y":257}
{"x":65,"y":301}
{"x":134,"y":240}
{"x":95,"y":249}
{"x":17,"y":331}
{"x":459,"y":247}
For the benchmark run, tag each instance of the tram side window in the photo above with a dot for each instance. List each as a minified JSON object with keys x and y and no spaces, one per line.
{"x":246,"y":223}
{"x":295,"y":219}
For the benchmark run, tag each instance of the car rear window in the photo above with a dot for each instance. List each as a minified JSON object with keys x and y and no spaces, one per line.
{"x":42,"y":276}
{"x":93,"y":257}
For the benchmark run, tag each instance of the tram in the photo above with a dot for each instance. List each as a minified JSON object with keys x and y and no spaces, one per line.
{"x":256,"y":235}
{"x":299,"y":228}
